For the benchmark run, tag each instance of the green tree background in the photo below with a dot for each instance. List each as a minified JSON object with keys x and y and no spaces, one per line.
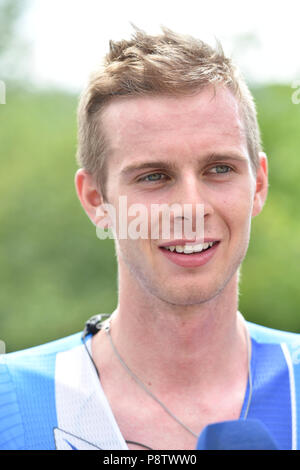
{"x":55,"y":273}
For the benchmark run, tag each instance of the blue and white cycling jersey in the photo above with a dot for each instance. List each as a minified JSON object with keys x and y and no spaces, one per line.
{"x":51,"y":397}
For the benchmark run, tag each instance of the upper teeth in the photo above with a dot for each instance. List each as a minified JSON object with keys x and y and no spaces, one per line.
{"x":189,"y":248}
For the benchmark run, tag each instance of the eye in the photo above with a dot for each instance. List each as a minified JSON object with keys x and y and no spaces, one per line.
{"x":220,"y":169}
{"x":152,"y":177}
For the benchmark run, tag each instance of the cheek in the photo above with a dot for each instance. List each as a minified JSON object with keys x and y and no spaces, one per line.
{"x":138,"y":221}
{"x":236,"y":208}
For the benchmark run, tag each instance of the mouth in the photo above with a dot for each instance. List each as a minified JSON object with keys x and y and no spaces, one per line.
{"x":190,"y":255}
{"x":189,"y":249}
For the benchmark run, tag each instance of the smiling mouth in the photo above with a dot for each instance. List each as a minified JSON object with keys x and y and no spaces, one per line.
{"x":190,"y":249}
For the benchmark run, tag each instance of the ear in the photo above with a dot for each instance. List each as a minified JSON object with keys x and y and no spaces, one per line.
{"x":261,"y":189}
{"x":91,"y":198}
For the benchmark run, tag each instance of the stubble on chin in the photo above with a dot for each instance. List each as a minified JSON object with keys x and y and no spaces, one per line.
{"x":150,"y":283}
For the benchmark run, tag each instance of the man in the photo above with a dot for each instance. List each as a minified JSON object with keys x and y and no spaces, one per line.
{"x":166,"y":120}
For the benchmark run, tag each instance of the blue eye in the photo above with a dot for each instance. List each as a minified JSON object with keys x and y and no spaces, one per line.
{"x":153,"y":177}
{"x":221,"y":169}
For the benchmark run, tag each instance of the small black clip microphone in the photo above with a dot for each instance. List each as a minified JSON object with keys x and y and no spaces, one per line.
{"x":94,"y":324}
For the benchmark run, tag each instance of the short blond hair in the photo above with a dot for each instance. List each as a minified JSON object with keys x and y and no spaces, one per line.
{"x":169,"y":64}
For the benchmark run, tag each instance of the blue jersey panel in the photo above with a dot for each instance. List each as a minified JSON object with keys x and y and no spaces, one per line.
{"x":27,"y":396}
{"x":271,"y":396}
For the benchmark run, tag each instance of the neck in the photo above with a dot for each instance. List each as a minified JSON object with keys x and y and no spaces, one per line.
{"x":168,"y":345}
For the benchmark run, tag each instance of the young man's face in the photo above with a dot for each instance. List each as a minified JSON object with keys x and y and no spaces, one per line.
{"x":203,"y":138}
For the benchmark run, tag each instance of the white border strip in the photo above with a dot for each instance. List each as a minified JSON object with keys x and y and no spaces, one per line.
{"x":289,"y":362}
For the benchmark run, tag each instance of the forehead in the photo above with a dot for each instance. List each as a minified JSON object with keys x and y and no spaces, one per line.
{"x":206,"y":118}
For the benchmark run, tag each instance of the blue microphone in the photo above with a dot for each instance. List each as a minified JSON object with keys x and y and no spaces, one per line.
{"x":248,"y":434}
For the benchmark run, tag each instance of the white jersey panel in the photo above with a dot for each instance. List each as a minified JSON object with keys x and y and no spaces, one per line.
{"x":85,"y":419}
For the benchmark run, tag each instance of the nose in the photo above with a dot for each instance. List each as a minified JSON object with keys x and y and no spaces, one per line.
{"x":190,"y":190}
{"x":191,"y":204}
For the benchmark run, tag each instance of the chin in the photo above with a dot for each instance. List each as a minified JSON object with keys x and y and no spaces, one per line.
{"x":183,"y":291}
{"x":195,"y":292}
{"x":194,"y":296}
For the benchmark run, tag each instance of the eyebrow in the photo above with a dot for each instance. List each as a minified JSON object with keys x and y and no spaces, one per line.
{"x":172,"y":166}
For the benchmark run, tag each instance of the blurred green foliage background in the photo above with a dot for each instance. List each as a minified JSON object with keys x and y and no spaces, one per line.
{"x":55,"y":273}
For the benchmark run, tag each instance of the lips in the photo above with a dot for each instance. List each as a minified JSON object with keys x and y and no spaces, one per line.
{"x":190,"y":260}
{"x":190,"y":248}
{"x":183,"y":242}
